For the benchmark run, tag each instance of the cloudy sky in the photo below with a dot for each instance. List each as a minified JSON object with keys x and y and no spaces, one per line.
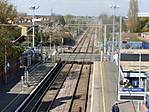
{"x":78,"y":7}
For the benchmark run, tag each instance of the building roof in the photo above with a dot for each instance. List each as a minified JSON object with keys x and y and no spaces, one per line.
{"x":135,"y":66}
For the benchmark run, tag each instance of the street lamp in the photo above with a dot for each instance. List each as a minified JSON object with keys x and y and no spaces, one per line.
{"x":33,"y":20}
{"x":114,"y":7}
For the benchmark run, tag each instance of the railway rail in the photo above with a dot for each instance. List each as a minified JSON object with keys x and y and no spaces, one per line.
{"x":83,"y":81}
{"x":71,"y":104}
{"x":49,"y":94}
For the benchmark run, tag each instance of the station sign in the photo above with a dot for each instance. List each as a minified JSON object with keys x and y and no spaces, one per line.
{"x":129,"y":96}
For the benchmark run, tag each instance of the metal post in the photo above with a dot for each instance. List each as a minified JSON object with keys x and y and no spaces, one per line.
{"x":5,"y":65}
{"x":101,"y":55}
{"x":28,"y":60}
{"x":114,"y":6}
{"x":50,"y":41}
{"x":105,"y":38}
{"x":77,"y":20}
{"x":27,"y":76}
{"x":22,"y":83}
{"x":120,"y":39}
{"x":138,"y":106}
{"x":139,"y":69}
{"x":33,"y":44}
{"x":33,"y":8}
{"x":119,"y":56}
{"x":62,"y":45}
{"x":113,"y":35}
{"x":41,"y":41}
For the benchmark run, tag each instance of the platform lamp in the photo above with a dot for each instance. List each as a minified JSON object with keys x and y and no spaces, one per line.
{"x":33,"y":8}
{"x":114,"y":7}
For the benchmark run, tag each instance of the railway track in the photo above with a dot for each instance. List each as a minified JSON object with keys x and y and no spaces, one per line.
{"x":80,"y":105}
{"x":54,"y":90}
{"x":79,"y":96}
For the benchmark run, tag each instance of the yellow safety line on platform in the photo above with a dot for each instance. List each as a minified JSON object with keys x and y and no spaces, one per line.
{"x":102,"y":84}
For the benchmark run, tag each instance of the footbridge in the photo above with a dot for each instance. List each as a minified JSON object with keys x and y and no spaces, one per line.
{"x":79,"y":57}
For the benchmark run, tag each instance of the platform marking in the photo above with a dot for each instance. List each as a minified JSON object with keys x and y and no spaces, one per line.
{"x":92,"y":97}
{"x":102,"y":84}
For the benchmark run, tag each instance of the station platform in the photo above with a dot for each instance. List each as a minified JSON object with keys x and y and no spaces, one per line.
{"x":104,"y":90}
{"x":103,"y":87}
{"x":15,"y":92}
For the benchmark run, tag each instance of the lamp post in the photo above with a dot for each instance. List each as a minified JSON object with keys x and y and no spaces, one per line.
{"x":33,"y":20}
{"x":114,"y":7}
{"x":119,"y":55}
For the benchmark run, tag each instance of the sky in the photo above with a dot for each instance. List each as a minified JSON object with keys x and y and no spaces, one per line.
{"x":78,"y":7}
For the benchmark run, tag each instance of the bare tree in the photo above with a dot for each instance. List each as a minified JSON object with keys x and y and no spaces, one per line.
{"x":132,"y":16}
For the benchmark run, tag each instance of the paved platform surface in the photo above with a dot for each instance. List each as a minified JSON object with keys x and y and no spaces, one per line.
{"x":14,"y":92}
{"x":104,"y":92}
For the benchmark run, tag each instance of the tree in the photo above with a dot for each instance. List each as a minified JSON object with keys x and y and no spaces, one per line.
{"x":10,"y":32}
{"x":106,"y":19}
{"x":11,"y":51}
{"x":132,"y":16}
{"x":7,"y":12}
{"x":61,"y":20}
{"x":143,"y":24}
{"x":68,"y":18}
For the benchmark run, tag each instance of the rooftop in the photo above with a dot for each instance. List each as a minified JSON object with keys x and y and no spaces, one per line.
{"x":135,"y":66}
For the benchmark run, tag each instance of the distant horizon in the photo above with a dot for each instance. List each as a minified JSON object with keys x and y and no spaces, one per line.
{"x":68,"y":14}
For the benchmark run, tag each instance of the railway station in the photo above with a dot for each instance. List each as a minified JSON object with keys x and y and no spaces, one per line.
{"x":74,"y":56}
